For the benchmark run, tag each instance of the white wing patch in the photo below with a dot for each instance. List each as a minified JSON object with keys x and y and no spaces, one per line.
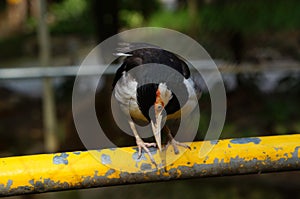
{"x":191,"y":103}
{"x":193,"y":99}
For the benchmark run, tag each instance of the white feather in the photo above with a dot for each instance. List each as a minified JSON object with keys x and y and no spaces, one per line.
{"x":191,"y":103}
{"x":165,"y":93}
{"x":122,"y":54}
{"x":125,"y":93}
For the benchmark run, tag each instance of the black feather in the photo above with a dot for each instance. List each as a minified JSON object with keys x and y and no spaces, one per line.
{"x":151,"y":56}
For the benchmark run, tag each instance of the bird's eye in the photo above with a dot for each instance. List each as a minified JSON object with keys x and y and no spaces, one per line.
{"x":159,"y":107}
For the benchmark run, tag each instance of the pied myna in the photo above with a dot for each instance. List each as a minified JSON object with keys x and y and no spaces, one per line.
{"x":156,"y":101}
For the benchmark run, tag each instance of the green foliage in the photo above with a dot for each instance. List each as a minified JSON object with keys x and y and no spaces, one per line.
{"x":247,"y":17}
{"x":178,"y":20}
{"x":244,"y":16}
{"x":31,"y":24}
{"x":69,"y":9}
{"x":71,"y":16}
{"x":251,"y":16}
{"x":143,"y":8}
{"x":133,"y":14}
{"x":131,"y":19}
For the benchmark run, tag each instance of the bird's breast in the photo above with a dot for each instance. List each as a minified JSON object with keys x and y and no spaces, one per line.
{"x":125,"y":93}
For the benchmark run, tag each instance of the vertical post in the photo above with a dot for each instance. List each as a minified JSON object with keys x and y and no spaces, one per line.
{"x":49,"y":109}
{"x":193,"y":17}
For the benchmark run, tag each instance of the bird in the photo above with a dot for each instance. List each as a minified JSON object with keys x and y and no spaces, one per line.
{"x":154,"y":102}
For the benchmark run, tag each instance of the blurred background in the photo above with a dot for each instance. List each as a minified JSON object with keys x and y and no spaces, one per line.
{"x":256,"y":45}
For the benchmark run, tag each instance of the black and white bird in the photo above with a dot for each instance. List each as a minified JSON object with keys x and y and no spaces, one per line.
{"x":154,"y":101}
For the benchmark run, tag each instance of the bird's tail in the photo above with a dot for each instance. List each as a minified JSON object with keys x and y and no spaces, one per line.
{"x":124,"y":48}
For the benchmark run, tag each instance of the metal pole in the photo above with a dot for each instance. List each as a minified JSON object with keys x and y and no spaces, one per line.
{"x":205,"y":66}
{"x":49,"y":109}
{"x":117,"y":166}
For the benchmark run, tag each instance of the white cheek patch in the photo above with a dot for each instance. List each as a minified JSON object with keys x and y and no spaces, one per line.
{"x":165,"y":93}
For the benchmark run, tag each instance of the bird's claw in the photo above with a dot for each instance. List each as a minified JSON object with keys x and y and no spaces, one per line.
{"x":175,"y":143}
{"x":145,"y":145}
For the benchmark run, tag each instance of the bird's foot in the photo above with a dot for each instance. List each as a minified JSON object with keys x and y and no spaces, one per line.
{"x":175,"y":143}
{"x":145,"y":145}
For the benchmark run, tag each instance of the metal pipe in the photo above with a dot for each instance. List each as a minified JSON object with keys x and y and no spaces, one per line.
{"x":205,"y":66}
{"x":117,"y":166}
{"x":58,"y":71}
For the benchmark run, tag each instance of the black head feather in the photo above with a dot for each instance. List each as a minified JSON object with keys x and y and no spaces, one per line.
{"x":151,"y":56}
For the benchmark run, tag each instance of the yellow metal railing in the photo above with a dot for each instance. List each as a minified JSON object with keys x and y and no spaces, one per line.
{"x":97,"y":168}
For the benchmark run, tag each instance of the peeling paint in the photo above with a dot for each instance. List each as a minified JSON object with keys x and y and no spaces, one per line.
{"x":8,"y":184}
{"x":245,"y":140}
{"x":206,"y":158}
{"x":135,"y":157}
{"x":105,"y":159}
{"x":216,"y":161}
{"x":109,"y":172}
{"x":153,"y":150}
{"x":295,"y":154}
{"x":213,"y":142}
{"x":31,"y":181}
{"x":61,"y":159}
{"x":175,"y":172}
{"x":77,"y":152}
{"x":47,"y":184}
{"x":99,"y":177}
{"x":278,"y":148}
{"x":37,"y":174}
{"x":146,"y":166}
{"x":7,"y":187}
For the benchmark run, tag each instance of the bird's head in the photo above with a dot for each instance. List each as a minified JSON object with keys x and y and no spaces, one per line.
{"x":163,"y":96}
